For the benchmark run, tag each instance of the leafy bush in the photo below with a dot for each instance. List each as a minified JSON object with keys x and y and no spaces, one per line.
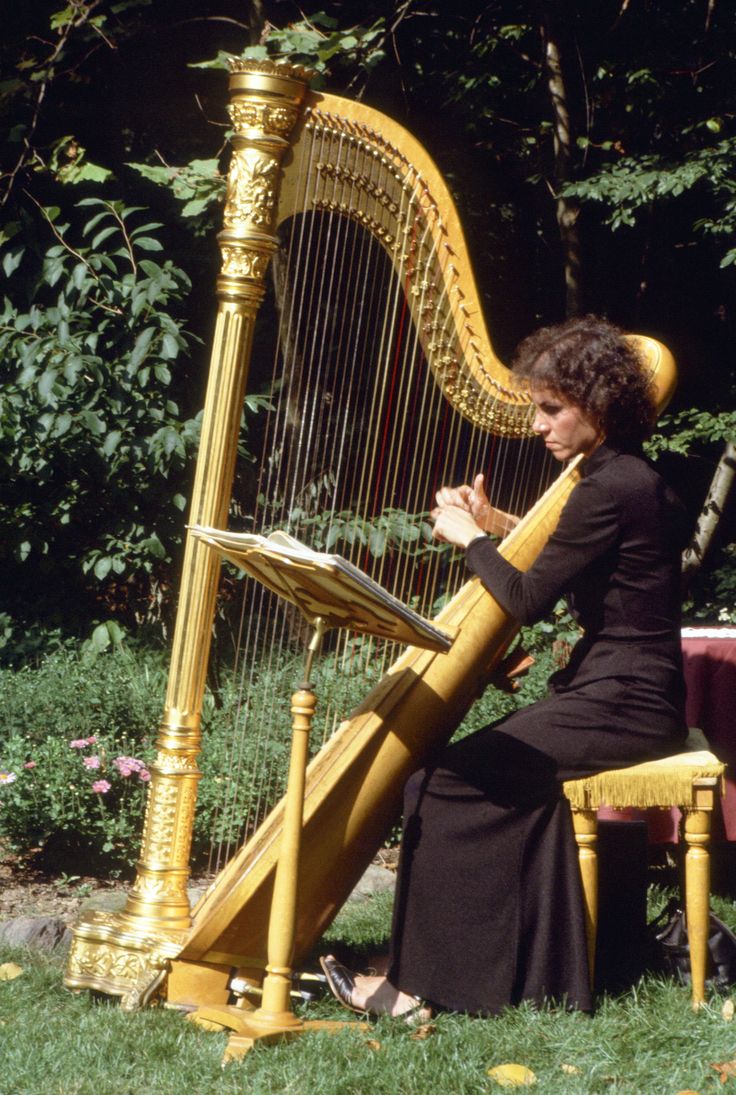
{"x":75,"y":738}
{"x":116,"y":697}
{"x":73,"y":800}
{"x":93,"y":448}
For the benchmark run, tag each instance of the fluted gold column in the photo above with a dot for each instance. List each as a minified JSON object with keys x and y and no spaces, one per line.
{"x":127,"y":954}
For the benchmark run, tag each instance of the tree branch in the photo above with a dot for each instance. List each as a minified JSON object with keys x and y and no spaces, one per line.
{"x":720,"y":488}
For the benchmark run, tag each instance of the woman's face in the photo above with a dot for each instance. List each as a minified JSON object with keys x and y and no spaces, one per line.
{"x":564,"y":427}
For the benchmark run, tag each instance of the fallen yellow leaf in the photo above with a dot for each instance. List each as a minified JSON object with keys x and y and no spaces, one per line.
{"x":727,"y":1010}
{"x":9,"y":970}
{"x":728,"y":1068}
{"x":422,"y":1032}
{"x":512,"y":1075}
{"x":571,"y":1070}
{"x":689,"y":1091}
{"x":373,"y":1043}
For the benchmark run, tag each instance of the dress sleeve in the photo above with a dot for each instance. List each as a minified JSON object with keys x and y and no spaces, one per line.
{"x":589,"y":524}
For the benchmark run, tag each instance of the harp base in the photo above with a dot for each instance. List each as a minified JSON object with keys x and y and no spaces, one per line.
{"x":248,"y":1028}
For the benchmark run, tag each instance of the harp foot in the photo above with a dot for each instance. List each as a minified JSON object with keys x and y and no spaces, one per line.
{"x":248,"y":1029}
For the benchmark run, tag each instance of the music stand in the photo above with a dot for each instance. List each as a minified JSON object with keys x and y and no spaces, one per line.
{"x":330,"y":592}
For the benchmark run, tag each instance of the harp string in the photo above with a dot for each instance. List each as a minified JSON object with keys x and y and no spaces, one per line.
{"x":360,"y":428}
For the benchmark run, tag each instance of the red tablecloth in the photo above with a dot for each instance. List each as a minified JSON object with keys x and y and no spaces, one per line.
{"x":710,"y":674}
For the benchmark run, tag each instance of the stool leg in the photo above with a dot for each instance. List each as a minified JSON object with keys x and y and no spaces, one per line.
{"x":697,"y":896}
{"x":585,"y":823}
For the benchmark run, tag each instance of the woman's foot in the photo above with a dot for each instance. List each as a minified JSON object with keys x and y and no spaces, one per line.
{"x":374,"y":995}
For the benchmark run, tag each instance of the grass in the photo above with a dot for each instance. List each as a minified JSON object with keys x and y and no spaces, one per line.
{"x":644,"y":1042}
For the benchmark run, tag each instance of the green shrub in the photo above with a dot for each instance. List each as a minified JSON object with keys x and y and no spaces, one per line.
{"x":115,"y":695}
{"x":73,"y":800}
{"x":75,"y":737}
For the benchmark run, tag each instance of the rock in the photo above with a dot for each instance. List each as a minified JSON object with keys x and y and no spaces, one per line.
{"x":375,"y":880}
{"x":114,"y":901}
{"x":111,"y":901}
{"x":43,"y":933}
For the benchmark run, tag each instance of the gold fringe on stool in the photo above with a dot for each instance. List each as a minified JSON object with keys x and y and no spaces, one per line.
{"x":689,"y":781}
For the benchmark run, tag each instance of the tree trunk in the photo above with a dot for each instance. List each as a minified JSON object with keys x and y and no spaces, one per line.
{"x":715,"y":502}
{"x":566,"y":211}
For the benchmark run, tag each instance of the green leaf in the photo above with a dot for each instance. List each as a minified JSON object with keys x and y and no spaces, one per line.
{"x":140,"y":349}
{"x":148,"y":243}
{"x":12,"y":260}
{"x":46,"y":384}
{"x":93,"y":423}
{"x":102,"y":567}
{"x":377,"y":543}
{"x":111,"y":442}
{"x":169,"y":348}
{"x":104,"y":234}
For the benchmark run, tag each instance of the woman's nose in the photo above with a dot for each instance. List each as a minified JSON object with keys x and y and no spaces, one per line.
{"x":540,"y":424}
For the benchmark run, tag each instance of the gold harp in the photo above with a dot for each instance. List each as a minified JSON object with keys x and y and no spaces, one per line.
{"x":301,"y":151}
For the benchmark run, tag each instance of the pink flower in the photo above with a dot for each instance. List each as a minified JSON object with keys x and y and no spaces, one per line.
{"x":101,"y":786}
{"x":91,"y":762}
{"x":30,"y":764}
{"x":78,"y":743}
{"x":144,"y":775}
{"x":92,"y":740}
{"x":127,"y":765}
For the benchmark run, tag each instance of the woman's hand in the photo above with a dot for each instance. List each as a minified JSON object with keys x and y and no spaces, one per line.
{"x":454,"y":525}
{"x":474,"y":501}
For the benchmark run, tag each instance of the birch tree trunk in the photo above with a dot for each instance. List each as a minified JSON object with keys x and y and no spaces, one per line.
{"x":715,"y":502}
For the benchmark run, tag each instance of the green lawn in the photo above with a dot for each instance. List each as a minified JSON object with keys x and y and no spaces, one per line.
{"x":646,"y":1042}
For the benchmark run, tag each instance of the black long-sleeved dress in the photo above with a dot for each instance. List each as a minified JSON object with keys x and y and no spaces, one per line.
{"x":489,"y":905}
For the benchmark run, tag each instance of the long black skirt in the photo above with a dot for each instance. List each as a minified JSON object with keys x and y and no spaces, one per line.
{"x":489,"y":908}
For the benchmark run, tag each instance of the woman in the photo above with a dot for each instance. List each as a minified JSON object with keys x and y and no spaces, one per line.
{"x":489,"y":906}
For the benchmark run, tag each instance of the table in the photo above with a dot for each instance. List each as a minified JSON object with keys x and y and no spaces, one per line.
{"x":709,"y":656}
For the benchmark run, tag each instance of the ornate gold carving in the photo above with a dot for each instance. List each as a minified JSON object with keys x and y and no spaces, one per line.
{"x":240,"y":262}
{"x":156,"y":887}
{"x":160,"y":819}
{"x":251,"y":190}
{"x":176,"y":762}
{"x":239,"y":66}
{"x":277,"y":121}
{"x":104,"y":962}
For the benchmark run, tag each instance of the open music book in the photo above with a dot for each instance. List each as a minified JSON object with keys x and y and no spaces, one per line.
{"x":324,"y":585}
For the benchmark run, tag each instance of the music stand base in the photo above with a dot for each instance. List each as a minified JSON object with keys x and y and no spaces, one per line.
{"x":248,"y":1030}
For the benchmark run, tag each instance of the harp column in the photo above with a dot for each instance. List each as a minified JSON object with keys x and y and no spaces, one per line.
{"x":127,"y":954}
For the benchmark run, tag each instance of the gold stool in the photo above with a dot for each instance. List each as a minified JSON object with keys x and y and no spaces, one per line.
{"x":689,"y":781}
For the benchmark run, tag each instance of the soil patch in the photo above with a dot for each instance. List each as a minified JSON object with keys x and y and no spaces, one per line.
{"x":27,"y":891}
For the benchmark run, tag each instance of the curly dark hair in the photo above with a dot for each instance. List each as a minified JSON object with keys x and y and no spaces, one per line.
{"x":589,"y":362}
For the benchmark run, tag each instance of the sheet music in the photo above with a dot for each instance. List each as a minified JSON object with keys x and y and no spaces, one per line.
{"x":324,"y":584}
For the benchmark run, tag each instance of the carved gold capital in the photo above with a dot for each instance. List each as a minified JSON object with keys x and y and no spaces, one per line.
{"x":258,"y":114}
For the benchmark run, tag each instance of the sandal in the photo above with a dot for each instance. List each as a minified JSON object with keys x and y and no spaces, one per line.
{"x":341,"y":983}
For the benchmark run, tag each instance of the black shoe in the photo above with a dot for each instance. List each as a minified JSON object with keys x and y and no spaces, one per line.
{"x":340,"y":981}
